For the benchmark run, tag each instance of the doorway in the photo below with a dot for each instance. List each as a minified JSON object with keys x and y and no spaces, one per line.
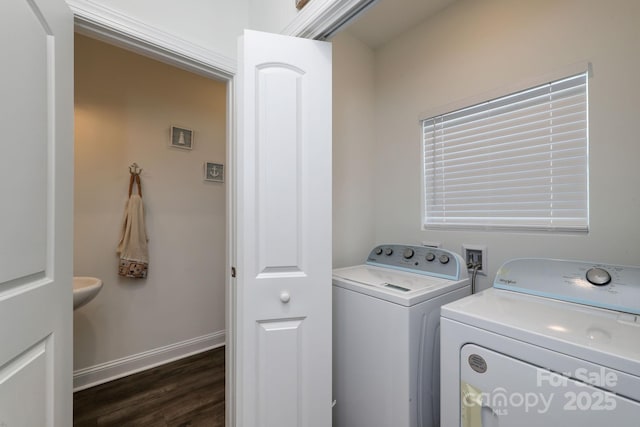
{"x":319,"y":22}
{"x":126,"y":106}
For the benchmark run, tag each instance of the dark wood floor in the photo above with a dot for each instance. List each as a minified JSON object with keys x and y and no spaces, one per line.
{"x":188,"y":392}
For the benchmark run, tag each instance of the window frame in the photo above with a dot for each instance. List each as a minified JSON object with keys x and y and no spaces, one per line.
{"x":567,"y":73}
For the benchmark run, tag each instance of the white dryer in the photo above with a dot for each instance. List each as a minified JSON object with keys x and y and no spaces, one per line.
{"x":386,"y":316}
{"x":553,"y":343}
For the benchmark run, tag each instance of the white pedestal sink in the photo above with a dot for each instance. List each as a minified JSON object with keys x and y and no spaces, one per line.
{"x":84,"y":290}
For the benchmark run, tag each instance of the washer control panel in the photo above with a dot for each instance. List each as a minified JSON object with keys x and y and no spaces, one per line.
{"x":419,"y":259}
{"x":614,"y":287}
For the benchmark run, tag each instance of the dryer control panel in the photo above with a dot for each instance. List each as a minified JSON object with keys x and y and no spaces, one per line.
{"x":615,"y":287}
{"x":419,"y":259}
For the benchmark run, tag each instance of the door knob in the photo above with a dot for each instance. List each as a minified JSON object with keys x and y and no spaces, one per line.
{"x":285,"y":297}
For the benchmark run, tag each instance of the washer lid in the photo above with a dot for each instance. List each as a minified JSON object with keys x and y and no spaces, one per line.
{"x":605,"y":337}
{"x":396,"y":286}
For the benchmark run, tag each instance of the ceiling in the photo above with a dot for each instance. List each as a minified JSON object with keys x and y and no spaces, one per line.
{"x":389,"y":18}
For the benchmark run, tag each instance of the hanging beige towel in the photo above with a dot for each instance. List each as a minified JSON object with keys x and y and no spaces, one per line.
{"x":133,"y":249}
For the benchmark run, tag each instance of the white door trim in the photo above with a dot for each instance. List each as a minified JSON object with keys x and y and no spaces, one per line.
{"x":112,"y":26}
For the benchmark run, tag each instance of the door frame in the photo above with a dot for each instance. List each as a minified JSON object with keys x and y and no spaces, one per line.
{"x":320,"y":20}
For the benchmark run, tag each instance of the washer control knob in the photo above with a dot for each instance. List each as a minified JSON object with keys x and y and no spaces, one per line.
{"x":388,"y":251}
{"x":598,"y":276}
{"x":378,"y":251}
{"x":444,"y":259}
{"x":430,"y":257}
{"x":408,"y":253}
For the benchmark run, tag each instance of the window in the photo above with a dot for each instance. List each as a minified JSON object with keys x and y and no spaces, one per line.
{"x":519,"y":161}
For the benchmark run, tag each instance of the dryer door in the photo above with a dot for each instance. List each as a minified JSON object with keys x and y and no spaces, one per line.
{"x":499,"y":390}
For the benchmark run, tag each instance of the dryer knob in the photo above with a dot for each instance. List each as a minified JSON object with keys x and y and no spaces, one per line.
{"x":444,"y":259}
{"x":408,"y":253}
{"x":388,"y":251}
{"x":598,"y":276}
{"x":430,"y":257}
{"x":378,"y":251}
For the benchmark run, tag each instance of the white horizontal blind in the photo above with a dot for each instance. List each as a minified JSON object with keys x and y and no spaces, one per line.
{"x":520,"y":161}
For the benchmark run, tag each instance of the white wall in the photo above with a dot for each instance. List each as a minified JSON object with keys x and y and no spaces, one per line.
{"x":271,"y":15}
{"x":353,"y":151}
{"x":211,"y":24}
{"x":474,"y":47}
{"x":125,"y":105}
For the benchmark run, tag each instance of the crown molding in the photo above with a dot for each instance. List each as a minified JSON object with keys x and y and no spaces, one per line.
{"x":321,"y":19}
{"x":112,"y":26}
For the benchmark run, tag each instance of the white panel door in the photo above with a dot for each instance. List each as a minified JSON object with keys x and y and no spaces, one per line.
{"x":283,"y":240}
{"x":36,"y":187}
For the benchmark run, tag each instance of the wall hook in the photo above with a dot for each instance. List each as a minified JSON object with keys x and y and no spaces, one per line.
{"x":135,"y":169}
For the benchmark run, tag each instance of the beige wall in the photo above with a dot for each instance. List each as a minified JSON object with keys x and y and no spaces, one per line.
{"x":476,"y":47}
{"x":125,"y":105}
{"x":353,"y":151}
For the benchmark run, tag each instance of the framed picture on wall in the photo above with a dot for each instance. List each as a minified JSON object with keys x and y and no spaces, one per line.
{"x":213,"y":172}
{"x":181,"y":138}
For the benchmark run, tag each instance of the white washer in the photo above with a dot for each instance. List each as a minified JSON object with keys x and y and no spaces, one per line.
{"x":386,"y":317}
{"x":553,"y":343}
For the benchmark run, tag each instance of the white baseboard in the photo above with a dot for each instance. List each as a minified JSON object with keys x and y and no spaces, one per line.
{"x":105,"y":372}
